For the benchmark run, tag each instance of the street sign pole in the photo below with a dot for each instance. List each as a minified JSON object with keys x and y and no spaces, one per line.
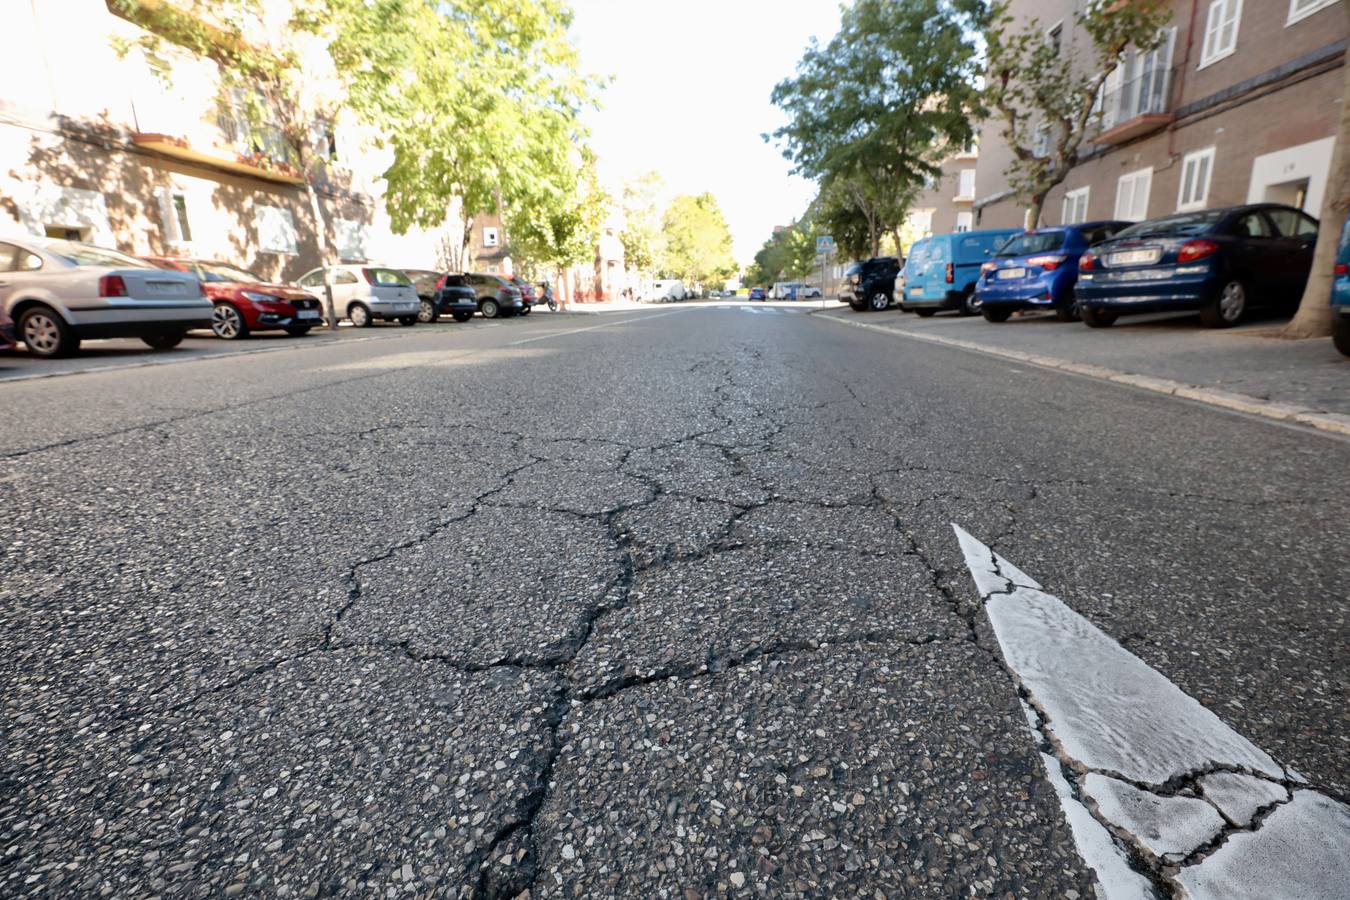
{"x":824,"y":247}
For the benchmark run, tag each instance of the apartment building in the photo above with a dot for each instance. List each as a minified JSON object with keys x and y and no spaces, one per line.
{"x":1238,"y":104}
{"x":948,"y":203}
{"x":95,"y":145}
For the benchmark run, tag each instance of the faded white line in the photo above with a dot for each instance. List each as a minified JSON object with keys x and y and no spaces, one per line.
{"x":1152,"y":763}
{"x":554,"y":334}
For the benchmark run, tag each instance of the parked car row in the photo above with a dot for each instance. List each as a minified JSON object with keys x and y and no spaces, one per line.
{"x":1220,"y":263}
{"x":56,"y":293}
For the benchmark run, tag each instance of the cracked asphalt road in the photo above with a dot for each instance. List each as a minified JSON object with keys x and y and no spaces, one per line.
{"x":654,"y":604}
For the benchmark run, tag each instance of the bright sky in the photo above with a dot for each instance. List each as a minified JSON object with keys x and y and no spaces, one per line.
{"x":690,"y":98}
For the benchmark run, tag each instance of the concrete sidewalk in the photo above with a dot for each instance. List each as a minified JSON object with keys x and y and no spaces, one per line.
{"x":1244,"y":368}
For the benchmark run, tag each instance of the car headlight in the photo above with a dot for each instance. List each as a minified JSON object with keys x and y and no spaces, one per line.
{"x":259,"y":298}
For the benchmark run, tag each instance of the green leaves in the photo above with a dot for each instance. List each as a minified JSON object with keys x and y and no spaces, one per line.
{"x":697,"y":240}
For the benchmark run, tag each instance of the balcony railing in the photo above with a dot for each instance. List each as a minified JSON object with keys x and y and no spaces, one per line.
{"x":1135,"y":105}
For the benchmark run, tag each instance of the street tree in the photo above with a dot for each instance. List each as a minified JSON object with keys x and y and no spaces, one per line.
{"x":1313,"y":318}
{"x":641,"y":233}
{"x":872,"y":113}
{"x":1044,"y":90}
{"x":268,"y":83}
{"x":559,"y":235}
{"x":788,"y":254}
{"x":697,"y":240}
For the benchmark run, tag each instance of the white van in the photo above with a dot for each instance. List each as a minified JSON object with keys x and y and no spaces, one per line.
{"x":665,"y":290}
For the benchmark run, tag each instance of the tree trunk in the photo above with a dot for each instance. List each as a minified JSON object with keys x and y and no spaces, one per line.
{"x":1035,"y":210}
{"x":316,"y":209}
{"x":1313,"y":318}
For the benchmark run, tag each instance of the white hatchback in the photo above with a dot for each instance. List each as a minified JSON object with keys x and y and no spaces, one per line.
{"x":61,"y":292}
{"x":366,"y":293}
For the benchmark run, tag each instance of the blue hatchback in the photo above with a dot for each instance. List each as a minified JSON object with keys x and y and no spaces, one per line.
{"x":1340,"y":294}
{"x":942,"y":270}
{"x":1221,"y":262}
{"x":1038,"y":270}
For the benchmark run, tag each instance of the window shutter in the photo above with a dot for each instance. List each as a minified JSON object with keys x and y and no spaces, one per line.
{"x":168,"y":216}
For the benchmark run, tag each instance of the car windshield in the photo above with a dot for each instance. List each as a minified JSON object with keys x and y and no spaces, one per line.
{"x":222,"y":272}
{"x":77,"y":254}
{"x":1174,"y":226}
{"x":1033,"y":242}
{"x":388,"y":278}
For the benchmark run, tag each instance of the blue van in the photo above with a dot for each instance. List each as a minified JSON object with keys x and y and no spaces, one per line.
{"x":942,"y":270}
{"x":1038,"y":270}
{"x":1340,"y":294}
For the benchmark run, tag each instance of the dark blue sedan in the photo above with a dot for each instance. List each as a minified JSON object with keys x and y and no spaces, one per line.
{"x":1038,"y":270}
{"x":1340,"y":294}
{"x":1221,"y":262}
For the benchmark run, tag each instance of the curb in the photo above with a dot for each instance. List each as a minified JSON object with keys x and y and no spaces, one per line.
{"x":1333,"y":423}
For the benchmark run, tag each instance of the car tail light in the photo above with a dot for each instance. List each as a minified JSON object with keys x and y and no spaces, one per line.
{"x":1196,"y":249}
{"x":112,"y":286}
{"x":1048,"y":263}
{"x":988,"y":267}
{"x":370,"y":278}
{"x":1087,"y":262}
{"x":440,"y":283}
{"x":951,"y":273}
{"x":1342,"y":269}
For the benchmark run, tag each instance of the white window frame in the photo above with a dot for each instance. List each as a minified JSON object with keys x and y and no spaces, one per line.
{"x":1197,"y":174}
{"x":491,"y":236}
{"x":1075,"y":206}
{"x":1134,"y":179}
{"x":962,"y":177}
{"x":289,"y":245}
{"x":1041,"y":148}
{"x":168,"y":214}
{"x":965,"y":221}
{"x":1228,"y":9}
{"x":1298,"y":15}
{"x":352,"y":239}
{"x":921,"y":220}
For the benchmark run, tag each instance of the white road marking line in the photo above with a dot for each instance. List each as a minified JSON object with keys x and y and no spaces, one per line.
{"x":554,"y":334}
{"x":1156,"y":766}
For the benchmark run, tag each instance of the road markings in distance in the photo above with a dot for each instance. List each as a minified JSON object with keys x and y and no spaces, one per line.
{"x":1144,"y":772}
{"x":553,"y":334}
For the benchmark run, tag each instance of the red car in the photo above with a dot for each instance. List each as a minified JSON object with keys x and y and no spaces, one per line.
{"x":7,"y":338}
{"x":244,"y":302}
{"x":527,"y":294}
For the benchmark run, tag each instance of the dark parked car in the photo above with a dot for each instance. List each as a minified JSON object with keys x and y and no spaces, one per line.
{"x":496,"y":295}
{"x":528,"y":296}
{"x":870,"y":284}
{"x":1340,"y":294}
{"x":455,"y":298}
{"x":756,"y":293}
{"x":1221,"y":262}
{"x":7,"y":333}
{"x":426,"y":282}
{"x":244,"y":302}
{"x":1038,"y":270}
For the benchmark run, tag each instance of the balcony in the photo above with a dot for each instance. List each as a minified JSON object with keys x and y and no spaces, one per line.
{"x":1135,"y":105}
{"x":256,"y":165}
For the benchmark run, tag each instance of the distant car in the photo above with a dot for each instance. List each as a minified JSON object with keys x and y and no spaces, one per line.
{"x":807,"y":292}
{"x":1221,"y":262}
{"x":528,"y":296}
{"x":7,"y":338}
{"x":496,"y":295}
{"x":942,"y":270}
{"x":61,"y":292}
{"x":1340,"y":294}
{"x":665,"y":290}
{"x":364,"y":294}
{"x":1038,"y":270}
{"x":870,"y":284}
{"x":455,"y":298}
{"x":756,"y":293}
{"x":244,"y":302}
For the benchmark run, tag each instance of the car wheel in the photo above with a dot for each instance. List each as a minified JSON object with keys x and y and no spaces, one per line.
{"x":407,"y":320}
{"x":490,"y":309}
{"x":426,"y":313}
{"x":1340,"y":333}
{"x":525,"y":311}
{"x":164,"y":340}
{"x":227,"y":323}
{"x":360,"y":315}
{"x":996,"y":313}
{"x":879,"y":301}
{"x":46,"y":333}
{"x":1097,"y":318}
{"x":1069,"y":312}
{"x":462,"y":316}
{"x":298,"y":330}
{"x":970,"y":304}
{"x":924,"y":312}
{"x":1227,"y":307}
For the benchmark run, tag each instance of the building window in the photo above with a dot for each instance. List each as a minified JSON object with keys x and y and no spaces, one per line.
{"x":964,"y":221}
{"x":966,"y":188}
{"x":1075,"y":206}
{"x":1301,"y":9}
{"x":1054,"y":38}
{"x":351,"y":240}
{"x":1132,"y":195}
{"x":276,"y":230}
{"x":1196,"y":170}
{"x":1221,"y":30}
{"x":921,"y":221}
{"x":324,"y":140}
{"x":173,"y":211}
{"x":1041,"y":149}
{"x":490,"y":237}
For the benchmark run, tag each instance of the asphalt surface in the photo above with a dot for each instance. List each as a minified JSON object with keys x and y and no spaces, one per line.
{"x":651,"y":604}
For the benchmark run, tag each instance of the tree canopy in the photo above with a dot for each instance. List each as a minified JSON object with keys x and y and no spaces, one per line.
{"x":697,"y":240}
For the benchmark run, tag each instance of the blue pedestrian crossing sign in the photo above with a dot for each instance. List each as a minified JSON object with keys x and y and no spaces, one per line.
{"x":824,"y":244}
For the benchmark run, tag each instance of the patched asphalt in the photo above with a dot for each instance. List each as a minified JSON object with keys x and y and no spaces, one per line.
{"x":669,"y":607}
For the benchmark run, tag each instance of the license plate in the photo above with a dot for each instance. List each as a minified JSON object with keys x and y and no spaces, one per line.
{"x":1010,"y":274}
{"x":1133,"y":257}
{"x":162,"y":287}
{"x":307,"y":314}
{"x":916,"y":292}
